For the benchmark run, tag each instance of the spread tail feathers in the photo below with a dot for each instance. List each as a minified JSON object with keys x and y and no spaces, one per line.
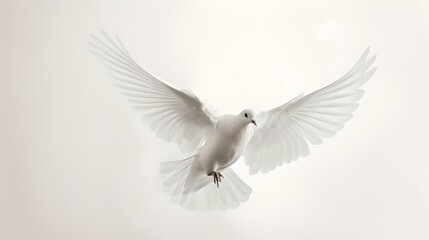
{"x":202,"y":194}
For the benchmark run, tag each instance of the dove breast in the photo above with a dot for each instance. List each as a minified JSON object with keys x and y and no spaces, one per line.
{"x":227,"y":144}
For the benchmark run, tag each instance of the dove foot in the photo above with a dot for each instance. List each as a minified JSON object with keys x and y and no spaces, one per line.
{"x":217,"y":177}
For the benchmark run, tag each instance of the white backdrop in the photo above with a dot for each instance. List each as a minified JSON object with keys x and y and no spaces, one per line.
{"x":77,"y":163}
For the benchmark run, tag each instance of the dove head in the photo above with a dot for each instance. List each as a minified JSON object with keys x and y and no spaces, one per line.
{"x":248,"y":116}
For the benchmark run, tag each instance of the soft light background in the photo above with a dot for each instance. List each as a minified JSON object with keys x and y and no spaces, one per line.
{"x":77,"y":163}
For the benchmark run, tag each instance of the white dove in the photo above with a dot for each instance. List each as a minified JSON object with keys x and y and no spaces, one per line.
{"x":205,"y":180}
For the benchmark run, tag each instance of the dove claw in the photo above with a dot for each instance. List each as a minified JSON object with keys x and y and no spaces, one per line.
{"x":217,"y":177}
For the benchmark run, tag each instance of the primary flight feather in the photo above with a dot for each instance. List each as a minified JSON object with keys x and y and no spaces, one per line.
{"x":205,"y":180}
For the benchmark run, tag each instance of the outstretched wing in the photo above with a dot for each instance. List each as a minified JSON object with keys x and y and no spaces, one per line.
{"x":284,"y":132}
{"x":174,"y":115}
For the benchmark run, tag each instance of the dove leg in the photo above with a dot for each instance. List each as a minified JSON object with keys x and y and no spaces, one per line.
{"x":217,"y":177}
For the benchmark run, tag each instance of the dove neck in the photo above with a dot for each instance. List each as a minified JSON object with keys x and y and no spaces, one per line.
{"x":234,"y":127}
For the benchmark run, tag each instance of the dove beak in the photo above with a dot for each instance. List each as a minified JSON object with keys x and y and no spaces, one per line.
{"x":253,"y":121}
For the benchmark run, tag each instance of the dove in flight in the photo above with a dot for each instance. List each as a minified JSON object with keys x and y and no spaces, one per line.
{"x":205,"y":179}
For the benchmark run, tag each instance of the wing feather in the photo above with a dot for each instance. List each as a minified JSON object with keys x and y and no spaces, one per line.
{"x":284,"y":132}
{"x":174,"y":115}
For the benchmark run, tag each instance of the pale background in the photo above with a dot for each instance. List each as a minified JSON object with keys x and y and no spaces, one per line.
{"x":76,"y":162}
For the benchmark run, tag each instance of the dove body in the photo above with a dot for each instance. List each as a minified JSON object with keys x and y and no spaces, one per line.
{"x":224,"y":148}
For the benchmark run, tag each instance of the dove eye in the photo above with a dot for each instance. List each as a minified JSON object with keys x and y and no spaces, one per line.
{"x":245,"y":115}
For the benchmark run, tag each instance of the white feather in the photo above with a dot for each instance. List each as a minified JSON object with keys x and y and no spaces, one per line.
{"x":174,"y":115}
{"x":306,"y":119}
